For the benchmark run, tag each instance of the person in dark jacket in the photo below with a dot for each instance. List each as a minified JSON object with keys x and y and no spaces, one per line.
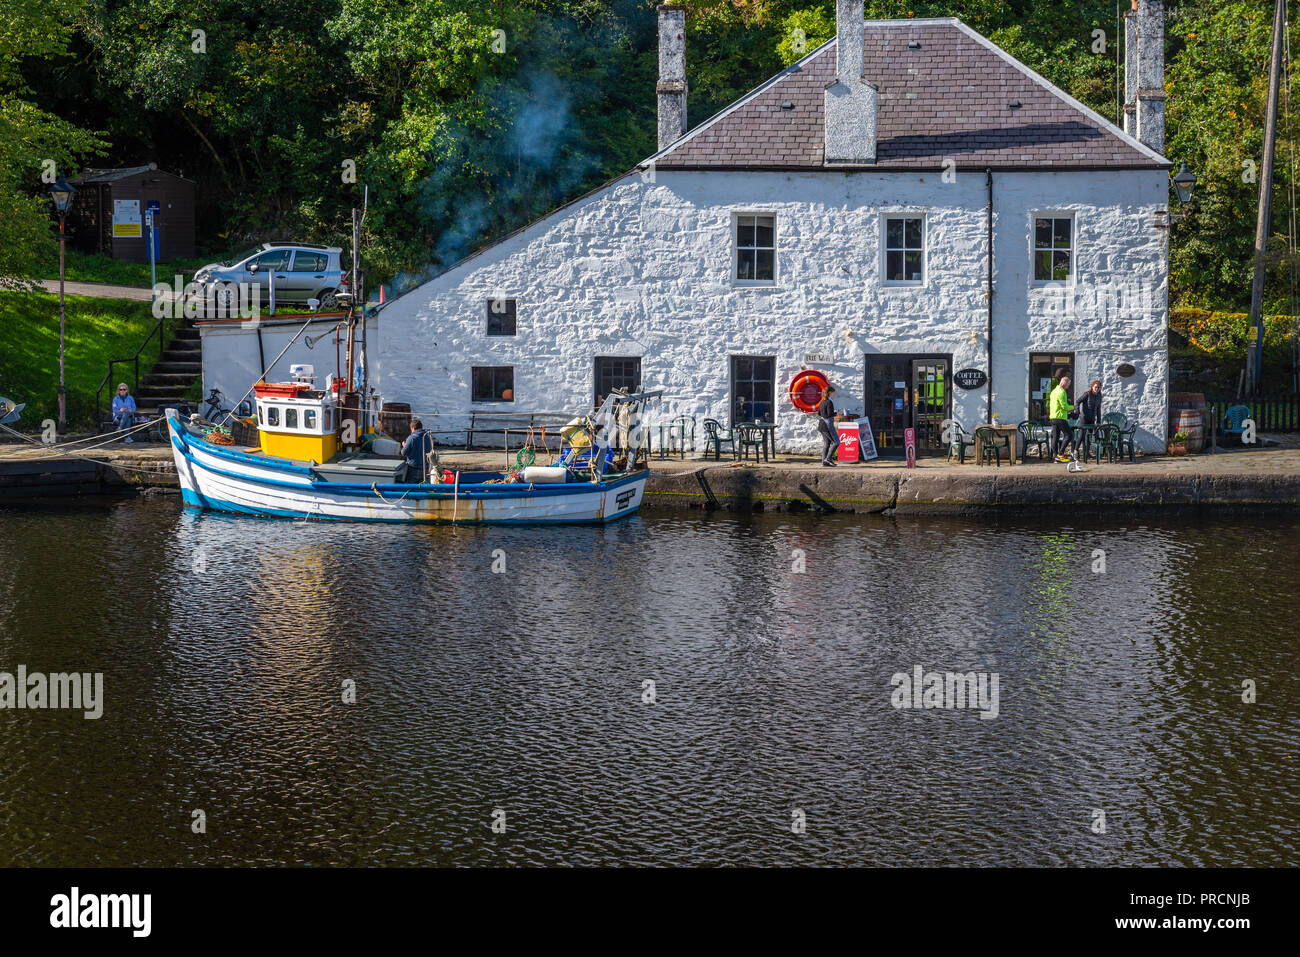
{"x":826,"y":426}
{"x":415,"y":450}
{"x":1090,"y":411}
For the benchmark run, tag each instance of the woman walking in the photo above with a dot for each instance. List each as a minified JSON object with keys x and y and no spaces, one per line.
{"x":1090,"y":411}
{"x":826,"y":426}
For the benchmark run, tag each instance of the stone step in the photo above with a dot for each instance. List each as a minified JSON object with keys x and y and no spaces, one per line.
{"x":176,"y":367}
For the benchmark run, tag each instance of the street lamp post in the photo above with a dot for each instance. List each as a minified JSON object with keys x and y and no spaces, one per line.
{"x":61,"y":192}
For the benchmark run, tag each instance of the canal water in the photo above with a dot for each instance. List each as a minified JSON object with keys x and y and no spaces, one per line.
{"x":684,"y":689}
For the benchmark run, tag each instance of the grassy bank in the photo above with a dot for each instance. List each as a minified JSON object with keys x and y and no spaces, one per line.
{"x":97,"y":330}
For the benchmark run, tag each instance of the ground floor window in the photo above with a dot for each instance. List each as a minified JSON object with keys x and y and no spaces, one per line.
{"x":909,"y":391}
{"x":616,"y":372}
{"x":753,"y":388}
{"x":493,"y":383}
{"x":1043,"y":369}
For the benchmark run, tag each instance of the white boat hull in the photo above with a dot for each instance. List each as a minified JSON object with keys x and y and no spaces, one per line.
{"x":223,"y":479}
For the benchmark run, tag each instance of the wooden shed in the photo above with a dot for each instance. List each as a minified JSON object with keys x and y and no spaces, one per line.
{"x":108,"y":213}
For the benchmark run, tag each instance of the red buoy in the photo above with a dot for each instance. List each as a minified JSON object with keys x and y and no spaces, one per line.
{"x":807,"y":389}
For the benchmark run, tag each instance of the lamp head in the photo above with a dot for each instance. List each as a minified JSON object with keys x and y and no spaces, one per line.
{"x":1184,"y":183}
{"x":61,"y":192}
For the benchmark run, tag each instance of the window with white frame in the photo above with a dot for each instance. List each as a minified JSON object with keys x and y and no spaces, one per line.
{"x":1053,"y":248}
{"x":755,"y":248}
{"x":904,"y":249}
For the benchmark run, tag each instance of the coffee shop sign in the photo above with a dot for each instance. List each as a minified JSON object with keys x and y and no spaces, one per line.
{"x":970,"y":378}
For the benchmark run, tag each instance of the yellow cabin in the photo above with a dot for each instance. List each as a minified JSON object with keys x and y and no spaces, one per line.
{"x":295,"y":421}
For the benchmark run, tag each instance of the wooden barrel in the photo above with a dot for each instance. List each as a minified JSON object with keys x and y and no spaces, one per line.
{"x":395,"y":419}
{"x":1192,"y":421}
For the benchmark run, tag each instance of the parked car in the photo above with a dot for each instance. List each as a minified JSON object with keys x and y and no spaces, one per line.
{"x":301,"y":271}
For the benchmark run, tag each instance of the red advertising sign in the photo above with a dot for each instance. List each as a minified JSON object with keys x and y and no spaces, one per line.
{"x":849,"y":438}
{"x":909,"y":440}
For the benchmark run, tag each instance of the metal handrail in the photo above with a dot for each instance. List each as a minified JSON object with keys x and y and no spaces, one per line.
{"x":135,"y":360}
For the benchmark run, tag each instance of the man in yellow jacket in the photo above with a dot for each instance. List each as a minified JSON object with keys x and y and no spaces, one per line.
{"x":1059,"y":408}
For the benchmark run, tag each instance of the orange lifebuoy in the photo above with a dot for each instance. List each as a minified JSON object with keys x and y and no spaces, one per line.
{"x":807,"y":389}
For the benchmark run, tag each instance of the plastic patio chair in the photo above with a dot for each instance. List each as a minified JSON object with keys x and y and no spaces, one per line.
{"x":749,"y":438}
{"x":1031,"y":433}
{"x":992,"y":444}
{"x":714,"y":437}
{"x":1106,"y":439}
{"x":1233,"y":419}
{"x":1126,"y":432}
{"x":959,"y":444}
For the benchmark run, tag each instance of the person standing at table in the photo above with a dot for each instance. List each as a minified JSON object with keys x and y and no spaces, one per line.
{"x":1090,"y":411}
{"x":1059,"y":408}
{"x":826,"y":426}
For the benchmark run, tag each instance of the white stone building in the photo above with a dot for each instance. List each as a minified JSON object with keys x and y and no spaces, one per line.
{"x":891,"y":211}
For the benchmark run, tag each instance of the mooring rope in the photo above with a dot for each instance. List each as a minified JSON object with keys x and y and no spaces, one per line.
{"x":77,"y":455}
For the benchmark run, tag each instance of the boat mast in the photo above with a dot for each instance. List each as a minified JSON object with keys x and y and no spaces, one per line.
{"x":1255,"y":342}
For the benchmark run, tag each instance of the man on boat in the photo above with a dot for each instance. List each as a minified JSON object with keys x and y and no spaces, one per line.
{"x":416,"y":451}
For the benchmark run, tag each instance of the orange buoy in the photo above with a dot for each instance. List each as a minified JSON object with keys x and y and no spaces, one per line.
{"x":807,"y":389}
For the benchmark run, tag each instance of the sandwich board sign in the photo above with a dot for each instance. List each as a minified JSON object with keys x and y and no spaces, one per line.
{"x":867,"y":446}
{"x":126,"y":219}
{"x":909,"y":442}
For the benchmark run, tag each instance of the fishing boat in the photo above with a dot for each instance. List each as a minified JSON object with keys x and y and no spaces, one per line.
{"x":320,"y":456}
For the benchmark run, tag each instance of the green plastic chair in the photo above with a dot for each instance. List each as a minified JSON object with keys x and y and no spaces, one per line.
{"x":1031,"y":433}
{"x":959,"y":444}
{"x":1126,"y":433}
{"x":1106,"y":439}
{"x":714,"y":437}
{"x":750,"y":438}
{"x":992,"y":444}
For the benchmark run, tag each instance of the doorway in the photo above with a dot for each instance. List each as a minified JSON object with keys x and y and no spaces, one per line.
{"x":908,"y":391}
{"x":1042,"y":370}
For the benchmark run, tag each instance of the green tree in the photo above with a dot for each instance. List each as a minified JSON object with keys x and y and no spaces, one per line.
{"x":33,"y":142}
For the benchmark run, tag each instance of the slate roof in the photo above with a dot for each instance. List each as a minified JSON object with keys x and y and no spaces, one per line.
{"x":947,"y":97}
{"x":89,"y":176}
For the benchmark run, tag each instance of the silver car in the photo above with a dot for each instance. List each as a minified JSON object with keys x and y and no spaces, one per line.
{"x":300,"y":271}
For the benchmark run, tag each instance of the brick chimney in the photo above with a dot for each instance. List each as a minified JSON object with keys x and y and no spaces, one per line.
{"x":850,"y":100}
{"x":672,"y":73}
{"x":1151,"y":74}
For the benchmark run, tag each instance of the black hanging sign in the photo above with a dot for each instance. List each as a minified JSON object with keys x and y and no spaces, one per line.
{"x":970,"y":378}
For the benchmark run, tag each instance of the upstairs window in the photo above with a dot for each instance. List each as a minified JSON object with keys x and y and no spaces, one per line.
{"x":756,"y":248}
{"x":1053,"y":248}
{"x":904,"y":249}
{"x":500,"y":317}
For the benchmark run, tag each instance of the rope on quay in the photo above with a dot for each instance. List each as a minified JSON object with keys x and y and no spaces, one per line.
{"x":62,"y":450}
{"x":101,"y":439}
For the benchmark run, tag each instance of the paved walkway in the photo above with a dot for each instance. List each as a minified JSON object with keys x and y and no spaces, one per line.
{"x":1283,"y":459}
{"x":97,"y":290}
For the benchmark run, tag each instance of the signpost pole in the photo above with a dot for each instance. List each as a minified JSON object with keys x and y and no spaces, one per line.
{"x":153,"y":264}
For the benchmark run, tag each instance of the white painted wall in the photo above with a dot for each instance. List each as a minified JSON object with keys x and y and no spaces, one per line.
{"x":231,"y":361}
{"x":643,"y":268}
